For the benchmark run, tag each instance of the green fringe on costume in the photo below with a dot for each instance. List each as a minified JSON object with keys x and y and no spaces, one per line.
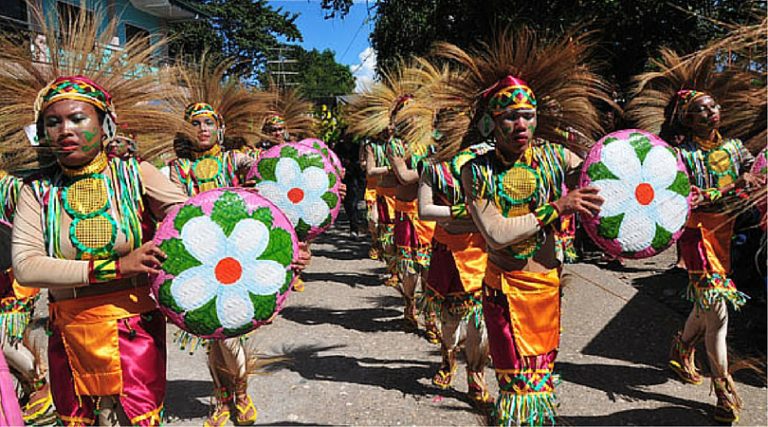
{"x":709,"y":289}
{"x":533,"y":409}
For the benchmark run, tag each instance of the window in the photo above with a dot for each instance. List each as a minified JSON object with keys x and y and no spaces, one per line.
{"x":68,"y":13}
{"x":132,"y":32}
{"x":13,"y":12}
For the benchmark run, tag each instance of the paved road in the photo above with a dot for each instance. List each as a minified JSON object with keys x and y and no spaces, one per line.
{"x":347,"y":361}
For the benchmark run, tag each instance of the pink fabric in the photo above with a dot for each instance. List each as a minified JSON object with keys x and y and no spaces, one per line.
{"x":501,"y":340}
{"x":405,"y":232}
{"x":9,"y":404}
{"x":383,"y":211}
{"x":443,"y":276}
{"x":142,"y":358}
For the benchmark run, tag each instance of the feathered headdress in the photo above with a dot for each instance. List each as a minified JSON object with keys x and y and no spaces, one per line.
{"x":424,"y":122}
{"x":78,"y":63}
{"x":207,"y":90}
{"x":375,"y":109}
{"x":517,"y":68}
{"x":288,"y":108}
{"x":662,"y":96}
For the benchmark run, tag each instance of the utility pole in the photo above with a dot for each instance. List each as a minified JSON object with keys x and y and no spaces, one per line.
{"x":276,"y":68}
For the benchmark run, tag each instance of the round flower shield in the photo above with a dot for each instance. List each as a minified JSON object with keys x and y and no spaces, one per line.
{"x":302,"y":183}
{"x":322,"y":147}
{"x":646,"y":192}
{"x":228,"y":269}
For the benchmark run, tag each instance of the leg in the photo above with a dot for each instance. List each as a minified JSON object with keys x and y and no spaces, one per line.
{"x":682,"y":357}
{"x":448,"y":346}
{"x":235,"y":361}
{"x":476,"y":352}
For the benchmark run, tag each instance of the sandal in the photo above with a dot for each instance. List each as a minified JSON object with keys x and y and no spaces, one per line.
{"x":245,"y":414}
{"x":682,"y":360}
{"x":40,"y":405}
{"x":728,"y":401}
{"x":220,"y":412}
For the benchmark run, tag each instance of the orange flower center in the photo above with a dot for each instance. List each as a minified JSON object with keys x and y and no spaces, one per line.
{"x":228,"y":271}
{"x":644,"y":194}
{"x":296,"y":195}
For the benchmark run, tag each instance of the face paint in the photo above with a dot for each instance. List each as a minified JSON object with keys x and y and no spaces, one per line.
{"x":72,"y":131}
{"x":515,"y":129}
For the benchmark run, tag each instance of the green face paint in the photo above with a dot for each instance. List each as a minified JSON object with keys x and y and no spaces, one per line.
{"x":89,"y":136}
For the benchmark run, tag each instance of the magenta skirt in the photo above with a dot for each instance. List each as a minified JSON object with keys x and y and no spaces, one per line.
{"x":141,"y":340}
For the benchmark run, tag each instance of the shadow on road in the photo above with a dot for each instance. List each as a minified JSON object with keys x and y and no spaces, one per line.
{"x":360,"y":319}
{"x":401,"y":375}
{"x":629,"y":383}
{"x":352,"y":280}
{"x":181,"y":398}
{"x":667,"y":416}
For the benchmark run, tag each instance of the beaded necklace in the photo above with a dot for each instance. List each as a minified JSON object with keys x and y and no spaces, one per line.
{"x":210,"y":169}
{"x":379,"y":154}
{"x":102,"y":198}
{"x":535,"y":179}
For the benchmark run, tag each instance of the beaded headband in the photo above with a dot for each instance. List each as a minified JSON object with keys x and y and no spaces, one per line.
{"x":509,"y":93}
{"x":685,"y":98}
{"x":201,"y":109}
{"x":78,"y":88}
{"x":275,"y":120}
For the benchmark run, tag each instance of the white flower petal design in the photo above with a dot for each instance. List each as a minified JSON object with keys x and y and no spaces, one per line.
{"x":233,"y":307}
{"x":315,"y":212}
{"x":621,"y":159}
{"x":193,"y":287}
{"x":663,"y":175}
{"x":287,"y":171}
{"x":672,"y":210}
{"x":204,"y":239}
{"x":637,"y":230}
{"x":249,"y":238}
{"x":316,"y":181}
{"x":264,"y":277}
{"x":616,"y":194}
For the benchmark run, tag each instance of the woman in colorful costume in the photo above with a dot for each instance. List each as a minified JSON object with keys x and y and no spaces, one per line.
{"x":369,"y":197}
{"x":682,"y":102}
{"x":17,"y":305}
{"x":82,"y":221}
{"x":209,"y":101}
{"x":514,"y":195}
{"x":453,"y":288}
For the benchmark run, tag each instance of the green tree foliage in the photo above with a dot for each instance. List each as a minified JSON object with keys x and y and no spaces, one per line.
{"x":331,"y":124}
{"x":320,"y":76}
{"x":631,"y":31}
{"x":243,"y":29}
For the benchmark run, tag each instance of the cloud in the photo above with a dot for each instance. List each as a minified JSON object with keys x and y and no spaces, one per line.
{"x":364,"y":71}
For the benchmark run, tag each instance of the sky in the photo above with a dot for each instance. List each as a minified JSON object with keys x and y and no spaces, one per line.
{"x":347,"y":37}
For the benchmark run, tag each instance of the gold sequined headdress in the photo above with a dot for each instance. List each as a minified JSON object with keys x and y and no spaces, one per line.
{"x":506,"y":73}
{"x":78,"y":62}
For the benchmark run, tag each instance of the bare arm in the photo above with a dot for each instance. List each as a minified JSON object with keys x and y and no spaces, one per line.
{"x":370,"y":164}
{"x":428,"y":210}
{"x":403,"y":174}
{"x":498,"y":231}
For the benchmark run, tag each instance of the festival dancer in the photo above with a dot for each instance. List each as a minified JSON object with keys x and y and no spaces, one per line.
{"x":413,"y":236}
{"x":17,"y":306}
{"x":209,"y":101}
{"x":514,"y":195}
{"x":82,"y":226}
{"x":682,"y":103}
{"x":371,"y":182}
{"x":377,"y":168}
{"x":453,"y":289}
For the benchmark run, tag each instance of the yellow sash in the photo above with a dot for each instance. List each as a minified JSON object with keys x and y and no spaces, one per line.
{"x":469,"y":254}
{"x":716,"y":232}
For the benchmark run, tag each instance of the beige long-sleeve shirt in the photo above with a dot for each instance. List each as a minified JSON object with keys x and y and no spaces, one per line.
{"x":500,"y":231}
{"x":34,"y":267}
